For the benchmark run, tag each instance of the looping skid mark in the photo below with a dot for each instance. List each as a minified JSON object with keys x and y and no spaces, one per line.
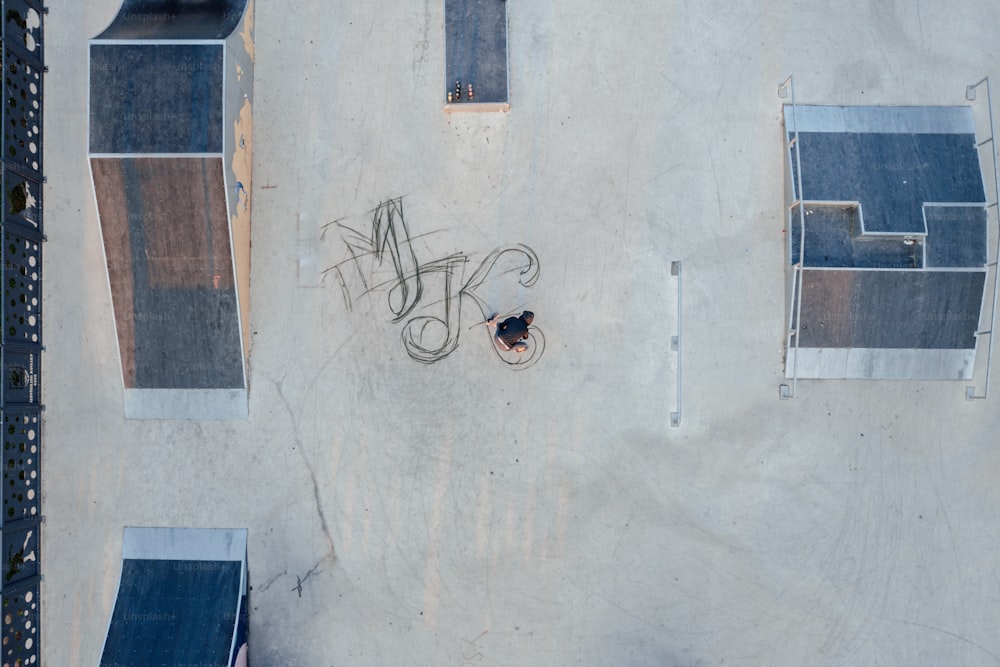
{"x":430,"y":338}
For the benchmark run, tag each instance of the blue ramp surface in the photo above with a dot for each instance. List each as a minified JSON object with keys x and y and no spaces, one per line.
{"x":156,"y":98}
{"x":891,"y":174}
{"x":182,"y":599}
{"x":171,"y":612}
{"x":476,"y":48}
{"x":175,"y":19}
{"x":891,"y":309}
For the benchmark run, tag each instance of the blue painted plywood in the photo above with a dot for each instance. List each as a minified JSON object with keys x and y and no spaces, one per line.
{"x":833,"y":239}
{"x":156,"y":98}
{"x":476,"y":48}
{"x":174,"y":612}
{"x":956,"y":236}
{"x":891,"y":174}
{"x":175,"y":19}
{"x":891,"y":309}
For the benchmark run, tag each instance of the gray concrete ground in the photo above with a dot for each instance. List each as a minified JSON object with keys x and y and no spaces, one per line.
{"x":462,"y":513}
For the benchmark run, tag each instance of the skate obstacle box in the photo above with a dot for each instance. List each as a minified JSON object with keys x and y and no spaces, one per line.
{"x":182,"y":599}
{"x":171,"y":91}
{"x":476,"y":54}
{"x":887,"y":243}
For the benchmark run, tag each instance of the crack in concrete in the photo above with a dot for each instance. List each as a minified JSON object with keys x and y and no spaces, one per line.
{"x":319,"y":509}
{"x":301,"y":580}
{"x":312,"y":475}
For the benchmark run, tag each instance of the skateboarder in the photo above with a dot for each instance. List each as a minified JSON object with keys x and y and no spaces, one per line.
{"x":512,"y":332}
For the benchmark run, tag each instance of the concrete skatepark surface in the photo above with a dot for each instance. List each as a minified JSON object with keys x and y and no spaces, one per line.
{"x":460,"y":512}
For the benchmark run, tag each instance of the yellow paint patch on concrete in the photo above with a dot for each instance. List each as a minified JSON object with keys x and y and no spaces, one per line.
{"x":247,"y":32}
{"x":239,"y":72}
{"x":242,"y":168}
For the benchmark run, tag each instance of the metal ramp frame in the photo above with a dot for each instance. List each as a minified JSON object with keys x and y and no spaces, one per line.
{"x":797,"y":206}
{"x":993,"y":212}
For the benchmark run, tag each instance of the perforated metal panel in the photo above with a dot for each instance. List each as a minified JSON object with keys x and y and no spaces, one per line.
{"x":20,"y":343}
{"x":21,"y":438}
{"x":20,"y":627}
{"x":23,"y":26}
{"x":22,"y":288}
{"x":23,"y":112}
{"x":20,"y":558}
{"x":22,"y":199}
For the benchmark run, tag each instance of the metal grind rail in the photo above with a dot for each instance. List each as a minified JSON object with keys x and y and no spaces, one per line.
{"x":795,"y":306}
{"x":970,"y":94}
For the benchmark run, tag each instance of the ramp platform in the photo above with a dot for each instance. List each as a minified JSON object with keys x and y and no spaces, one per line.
{"x":171,"y":89}
{"x":887,"y":242}
{"x":476,"y":54}
{"x":175,"y":19}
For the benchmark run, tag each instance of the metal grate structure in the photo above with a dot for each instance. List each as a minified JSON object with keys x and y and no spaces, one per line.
{"x":21,"y":342}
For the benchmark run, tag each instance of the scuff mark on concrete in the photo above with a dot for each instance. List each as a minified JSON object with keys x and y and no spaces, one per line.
{"x":312,"y":475}
{"x":301,"y":580}
{"x":267,"y":584}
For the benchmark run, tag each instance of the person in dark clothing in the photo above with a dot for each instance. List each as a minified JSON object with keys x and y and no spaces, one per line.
{"x":513,"y":331}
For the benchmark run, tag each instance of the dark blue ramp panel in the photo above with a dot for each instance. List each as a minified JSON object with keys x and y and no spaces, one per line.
{"x":476,"y":51}
{"x":833,"y":239}
{"x":891,"y":174}
{"x":175,"y":19}
{"x":156,"y":98}
{"x":891,"y":309}
{"x":181,"y":598}
{"x":956,"y":236}
{"x":173,"y":612}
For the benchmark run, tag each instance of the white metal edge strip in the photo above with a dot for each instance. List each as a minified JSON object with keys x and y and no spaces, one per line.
{"x":205,"y":404}
{"x":127,"y":156}
{"x":157,"y":42}
{"x":881,"y":119}
{"x":161,"y":543}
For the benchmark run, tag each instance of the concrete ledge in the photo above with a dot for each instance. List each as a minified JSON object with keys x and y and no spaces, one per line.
{"x":476,"y":107}
{"x":187,"y":404}
{"x":880,"y":364}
